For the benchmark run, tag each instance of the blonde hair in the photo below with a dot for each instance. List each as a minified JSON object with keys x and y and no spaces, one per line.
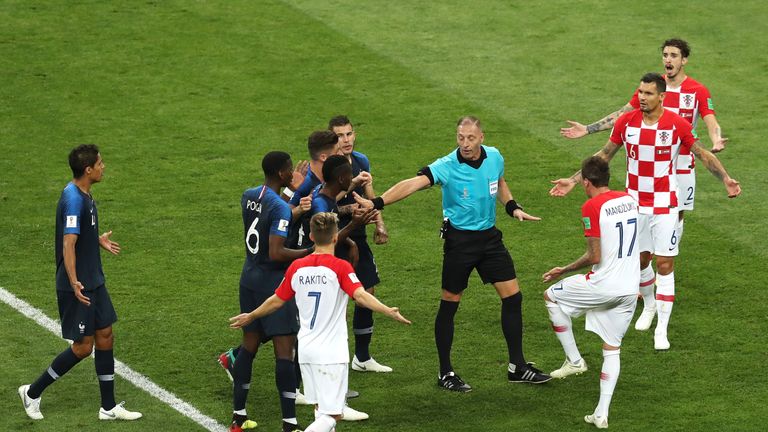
{"x":323,"y":227}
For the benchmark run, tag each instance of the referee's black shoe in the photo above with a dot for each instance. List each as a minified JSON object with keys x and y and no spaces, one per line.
{"x":451,"y":381}
{"x":527,"y":374}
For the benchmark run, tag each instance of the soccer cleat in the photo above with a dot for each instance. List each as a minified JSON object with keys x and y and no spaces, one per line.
{"x":451,"y":381}
{"x":247,"y":424}
{"x":660,"y":341}
{"x":301,"y":399}
{"x":118,"y":413}
{"x":527,"y":374}
{"x":599,"y":422}
{"x":645,"y":320}
{"x":31,"y":406}
{"x":569,"y":368}
{"x":349,"y":414}
{"x":290,"y":427}
{"x":351,"y":394}
{"x":369,"y":365}
{"x":227,"y":361}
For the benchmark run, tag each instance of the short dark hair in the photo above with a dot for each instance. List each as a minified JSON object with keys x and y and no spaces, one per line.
{"x":653,"y":77}
{"x":685,"y":49}
{"x":323,"y":226}
{"x":82,"y":157}
{"x":320,"y":141}
{"x":471,"y":120}
{"x":339,"y":120}
{"x":596,"y":170}
{"x":334,"y":167}
{"x":273,"y":162}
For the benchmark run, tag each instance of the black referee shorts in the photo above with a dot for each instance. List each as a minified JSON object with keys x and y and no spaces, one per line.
{"x":464,"y":251}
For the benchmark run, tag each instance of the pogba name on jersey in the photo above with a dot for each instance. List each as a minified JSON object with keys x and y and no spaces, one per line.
{"x":621,"y":208}
{"x":316,"y":279}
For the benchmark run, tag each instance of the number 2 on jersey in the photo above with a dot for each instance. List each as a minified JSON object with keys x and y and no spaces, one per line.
{"x":316,"y":295}
{"x":620,"y":226}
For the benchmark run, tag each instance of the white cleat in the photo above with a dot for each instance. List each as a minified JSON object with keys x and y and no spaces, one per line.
{"x":569,"y":368}
{"x":118,"y":413}
{"x":349,"y":414}
{"x":301,"y":399}
{"x":369,"y":365}
{"x":646,"y":319}
{"x":599,"y":422}
{"x":660,"y":342}
{"x":31,"y":406}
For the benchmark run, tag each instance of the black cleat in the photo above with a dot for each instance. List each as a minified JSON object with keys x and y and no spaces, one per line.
{"x":451,"y":381}
{"x":528,"y":374}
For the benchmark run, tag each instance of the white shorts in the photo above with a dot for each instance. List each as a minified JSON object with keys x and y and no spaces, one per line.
{"x":608,"y":316}
{"x":686,"y":184}
{"x":326,"y":386}
{"x":656,"y":233}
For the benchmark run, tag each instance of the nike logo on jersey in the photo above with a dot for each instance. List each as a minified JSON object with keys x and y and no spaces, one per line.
{"x":631,"y":135}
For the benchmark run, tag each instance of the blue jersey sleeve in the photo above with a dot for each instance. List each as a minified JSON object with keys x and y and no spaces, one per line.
{"x":72,"y":210}
{"x":441,"y":170}
{"x":365,"y":164}
{"x":281,"y":218}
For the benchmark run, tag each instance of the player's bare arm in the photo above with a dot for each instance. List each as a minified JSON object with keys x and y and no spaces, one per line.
{"x":107,"y":244}
{"x":279,"y":253}
{"x":715,"y":134}
{"x":564,"y":185}
{"x":590,"y":257}
{"x":578,"y":130}
{"x":713,"y":164}
{"x":505,"y":195}
{"x":272,"y":304}
{"x":380,"y":234}
{"x":71,"y":268}
{"x":365,"y":299}
{"x":360,"y":216}
{"x":400,"y":191}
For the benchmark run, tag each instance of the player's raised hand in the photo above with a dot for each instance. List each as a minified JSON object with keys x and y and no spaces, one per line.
{"x":719,"y":145}
{"x":553,"y":274}
{"x":561,"y":187}
{"x":394,"y":313}
{"x":240,"y":321}
{"x":78,"y":288}
{"x":733,"y":187}
{"x":362,"y":179}
{"x":305,"y":204}
{"x":364,"y":202}
{"x":364,"y":216}
{"x":109,"y":245}
{"x":299,"y":172}
{"x":523,"y":216}
{"x":577,"y":130}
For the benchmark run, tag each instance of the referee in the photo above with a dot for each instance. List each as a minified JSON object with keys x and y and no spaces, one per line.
{"x":472,"y":178}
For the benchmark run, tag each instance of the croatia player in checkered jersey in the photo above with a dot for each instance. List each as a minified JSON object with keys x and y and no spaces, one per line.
{"x":653,"y":138}
{"x":691,"y":100}
{"x":322,"y":285}
{"x":608,"y":293}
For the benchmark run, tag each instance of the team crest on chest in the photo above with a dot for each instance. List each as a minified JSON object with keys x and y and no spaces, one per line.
{"x":687,"y":100}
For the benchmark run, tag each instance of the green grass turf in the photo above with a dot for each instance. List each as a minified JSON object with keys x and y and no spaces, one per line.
{"x":185,"y":98}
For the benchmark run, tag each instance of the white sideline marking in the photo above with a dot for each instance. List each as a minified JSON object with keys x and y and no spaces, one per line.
{"x":121,"y":368}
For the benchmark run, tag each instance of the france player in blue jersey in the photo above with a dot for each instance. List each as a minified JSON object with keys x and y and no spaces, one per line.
{"x":366,"y":269}
{"x":472,"y":178}
{"x":85,"y":308}
{"x":266,"y":220}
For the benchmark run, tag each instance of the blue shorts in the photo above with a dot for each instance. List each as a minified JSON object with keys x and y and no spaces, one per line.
{"x":79,"y":320}
{"x":284,"y":321}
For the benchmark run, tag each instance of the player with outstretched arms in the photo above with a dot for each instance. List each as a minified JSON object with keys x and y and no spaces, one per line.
{"x":321,"y":285}
{"x":608,"y":293}
{"x":652,"y":138}
{"x":691,"y":100}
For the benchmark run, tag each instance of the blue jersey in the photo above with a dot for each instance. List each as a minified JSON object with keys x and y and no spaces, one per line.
{"x":307,"y":186}
{"x":300,"y":230}
{"x":264,"y":214}
{"x":76,"y":214}
{"x":469,"y":194}
{"x":359,"y":163}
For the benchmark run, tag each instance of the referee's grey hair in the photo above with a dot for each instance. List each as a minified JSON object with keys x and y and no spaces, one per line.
{"x":470,"y":120}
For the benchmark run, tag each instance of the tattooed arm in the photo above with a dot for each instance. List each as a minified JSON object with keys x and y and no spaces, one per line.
{"x":564,"y":185}
{"x":578,"y":130}
{"x":715,"y":134}
{"x":717,"y":169}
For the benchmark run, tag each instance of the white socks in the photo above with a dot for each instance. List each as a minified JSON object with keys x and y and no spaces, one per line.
{"x":322,"y":423}
{"x":608,"y":377}
{"x":561,"y":323}
{"x":647,"y":279}
{"x":665,"y":296}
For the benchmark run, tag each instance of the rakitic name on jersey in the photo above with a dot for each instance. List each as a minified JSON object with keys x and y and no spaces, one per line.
{"x":313,"y":279}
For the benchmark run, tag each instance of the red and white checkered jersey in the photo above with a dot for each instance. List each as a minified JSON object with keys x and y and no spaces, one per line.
{"x":322,"y":285}
{"x":651,"y":150}
{"x":612,"y":216}
{"x":690,"y":101}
